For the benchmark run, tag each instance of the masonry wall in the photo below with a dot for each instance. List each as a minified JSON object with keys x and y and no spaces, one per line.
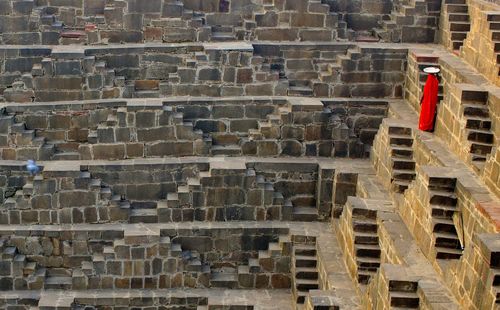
{"x":479,"y":48}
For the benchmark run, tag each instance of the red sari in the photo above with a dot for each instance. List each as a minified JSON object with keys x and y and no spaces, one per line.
{"x":428,"y":104}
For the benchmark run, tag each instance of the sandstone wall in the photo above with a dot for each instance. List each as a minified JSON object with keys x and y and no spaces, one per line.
{"x":479,"y":48}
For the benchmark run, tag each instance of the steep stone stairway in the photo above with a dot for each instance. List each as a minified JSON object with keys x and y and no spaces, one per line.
{"x":493,"y":19}
{"x":443,"y":202}
{"x":474,"y":105}
{"x":403,"y":164}
{"x":458,"y":21}
{"x":366,"y":244}
{"x":304,"y":267}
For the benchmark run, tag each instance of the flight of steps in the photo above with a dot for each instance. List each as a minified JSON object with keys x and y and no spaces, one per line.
{"x":474,"y":105}
{"x":304,"y":267}
{"x":188,"y":202}
{"x":403,"y":163}
{"x":329,"y":71}
{"x":443,"y":202}
{"x":403,"y":294}
{"x":304,"y":208}
{"x":493,"y":19}
{"x":312,"y":77}
{"x":24,"y":138}
{"x":458,"y":21}
{"x":228,"y":276}
{"x":225,"y":143}
{"x":405,"y":13}
{"x":24,"y":274}
{"x":366,"y":243}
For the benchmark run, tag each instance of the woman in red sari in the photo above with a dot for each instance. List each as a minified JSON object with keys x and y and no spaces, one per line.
{"x":429,"y":101}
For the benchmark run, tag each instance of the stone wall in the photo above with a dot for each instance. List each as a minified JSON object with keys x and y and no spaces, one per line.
{"x":133,"y":258}
{"x":479,"y":48}
{"x":119,"y":129}
{"x":226,"y":69}
{"x":464,"y":122}
{"x":131,"y":21}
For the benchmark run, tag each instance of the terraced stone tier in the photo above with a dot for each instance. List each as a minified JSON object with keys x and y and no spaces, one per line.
{"x":329,"y":69}
{"x":135,"y":128}
{"x":176,"y":190}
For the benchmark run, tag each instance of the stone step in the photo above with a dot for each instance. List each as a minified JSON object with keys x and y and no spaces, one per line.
{"x":304,"y":250}
{"x":456,"y":8}
{"x":402,"y":151}
{"x":459,"y":35}
{"x":300,"y":297}
{"x":459,"y":26}
{"x":458,"y":17}
{"x":475,"y":110}
{"x":407,"y":300}
{"x":222,"y":36}
{"x":365,"y":238}
{"x":447,"y":240}
{"x":442,"y":197}
{"x":480,"y":135}
{"x":309,"y":273}
{"x":483,"y":123}
{"x":364,"y":226}
{"x":303,"y":91}
{"x":305,"y":214}
{"x":306,"y":284}
{"x":441,"y":225}
{"x":58,"y":283}
{"x":400,"y":186}
{"x":479,"y":148}
{"x":364,"y":276}
{"x":143,"y":216}
{"x":440,"y":211}
{"x":403,"y":163}
{"x":367,"y":250}
{"x":400,"y":140}
{"x":66,"y":156}
{"x":228,"y":150}
{"x":305,"y":261}
{"x":447,"y":253}
{"x":401,"y":174}
{"x":226,"y":277}
{"x":367,"y":262}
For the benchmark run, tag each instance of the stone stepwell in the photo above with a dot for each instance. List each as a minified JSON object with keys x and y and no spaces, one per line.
{"x":248,"y":155}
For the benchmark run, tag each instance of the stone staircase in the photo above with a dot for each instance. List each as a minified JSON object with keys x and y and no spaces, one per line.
{"x":403,"y":163}
{"x":244,"y":275}
{"x":309,"y":72}
{"x":493,"y":19}
{"x":20,"y":273}
{"x":304,"y":267}
{"x":458,"y":22}
{"x":410,"y":21}
{"x":280,"y":20}
{"x":443,"y":203}
{"x":39,"y":195}
{"x":242,"y":195}
{"x":475,"y":111}
{"x":366,"y":243}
